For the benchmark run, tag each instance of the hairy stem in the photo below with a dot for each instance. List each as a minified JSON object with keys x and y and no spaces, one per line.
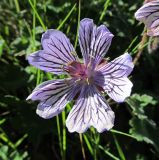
{"x":141,"y":48}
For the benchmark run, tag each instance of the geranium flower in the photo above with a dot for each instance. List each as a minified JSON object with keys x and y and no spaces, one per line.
{"x":149,"y":15}
{"x":87,"y":80}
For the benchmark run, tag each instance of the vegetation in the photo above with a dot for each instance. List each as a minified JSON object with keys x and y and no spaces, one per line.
{"x":24,"y":135}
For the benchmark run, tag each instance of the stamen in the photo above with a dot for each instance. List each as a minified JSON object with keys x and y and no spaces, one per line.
{"x":74,"y":53}
{"x":87,"y":80}
{"x":62,"y":67}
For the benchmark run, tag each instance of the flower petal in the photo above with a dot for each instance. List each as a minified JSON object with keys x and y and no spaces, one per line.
{"x":149,"y":15}
{"x":121,"y":66}
{"x":53,"y":96}
{"x":115,"y":73}
{"x":118,"y":88}
{"x":94,"y":41}
{"x":46,"y":61}
{"x":58,"y":52}
{"x":90,"y":110}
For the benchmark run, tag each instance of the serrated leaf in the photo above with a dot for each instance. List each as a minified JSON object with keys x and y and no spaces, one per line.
{"x":138,"y":103}
{"x":143,"y":128}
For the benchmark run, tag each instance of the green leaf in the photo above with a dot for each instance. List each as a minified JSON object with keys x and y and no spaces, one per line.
{"x":143,"y":128}
{"x":2,"y":42}
{"x":3,"y":152}
{"x":138,"y":104}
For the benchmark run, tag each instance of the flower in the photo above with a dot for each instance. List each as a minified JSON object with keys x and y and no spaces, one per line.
{"x":149,"y":15}
{"x":87,"y":80}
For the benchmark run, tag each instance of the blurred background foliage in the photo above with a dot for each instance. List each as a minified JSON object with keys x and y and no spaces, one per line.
{"x":24,"y":135}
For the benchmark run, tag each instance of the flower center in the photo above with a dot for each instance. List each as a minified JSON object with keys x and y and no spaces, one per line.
{"x":80,"y":72}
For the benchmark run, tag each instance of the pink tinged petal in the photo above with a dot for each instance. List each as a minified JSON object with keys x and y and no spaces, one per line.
{"x":153,"y":31}
{"x":149,"y":15}
{"x":115,"y":73}
{"x":57,"y":52}
{"x":94,"y":41}
{"x":90,"y":110}
{"x":153,"y":22}
{"x":53,"y":96}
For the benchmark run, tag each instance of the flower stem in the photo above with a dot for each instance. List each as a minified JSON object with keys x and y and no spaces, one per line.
{"x":67,"y":16}
{"x":64,"y":135}
{"x":141,"y":48}
{"x":82,"y":146}
{"x":78,"y":23}
{"x":59,"y":135}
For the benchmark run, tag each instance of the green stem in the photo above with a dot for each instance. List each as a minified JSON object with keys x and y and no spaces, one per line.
{"x":108,"y":153}
{"x":59,"y":135}
{"x":104,"y":10}
{"x":34,"y":24}
{"x":121,"y":154}
{"x":78,"y":23}
{"x":37,"y":15}
{"x":17,"y":6}
{"x":96,"y":142}
{"x":64,"y":135}
{"x":122,"y":133}
{"x":88,"y":144}
{"x":67,"y":16}
{"x":82,"y":146}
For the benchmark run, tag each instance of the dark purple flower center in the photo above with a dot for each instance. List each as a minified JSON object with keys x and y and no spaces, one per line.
{"x":83,"y":73}
{"x":79,"y":71}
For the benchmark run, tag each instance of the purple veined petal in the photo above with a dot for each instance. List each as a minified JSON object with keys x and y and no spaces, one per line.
{"x":90,"y":110}
{"x":149,"y":15}
{"x":121,"y":66}
{"x":118,"y":88}
{"x":153,"y":31}
{"x":94,"y":41}
{"x":57,"y":52}
{"x":115,"y":73}
{"x":53,"y":96}
{"x":46,"y":61}
{"x":152,"y":23}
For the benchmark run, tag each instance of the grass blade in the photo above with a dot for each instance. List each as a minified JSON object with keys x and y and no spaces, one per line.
{"x":104,"y":10}
{"x":121,"y":154}
{"x":38,"y":16}
{"x":88,"y":144}
{"x":67,"y":16}
{"x":78,"y":23}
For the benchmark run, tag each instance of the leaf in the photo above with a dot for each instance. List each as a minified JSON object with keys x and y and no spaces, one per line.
{"x":2,"y":43}
{"x":4,"y":152}
{"x":138,"y":104}
{"x":143,"y":128}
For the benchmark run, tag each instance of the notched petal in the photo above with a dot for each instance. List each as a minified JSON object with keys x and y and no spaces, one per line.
{"x":118,"y":88}
{"x":53,"y":96}
{"x":57,"y":52}
{"x":90,"y":110}
{"x":149,"y":15}
{"x":56,"y":43}
{"x":94,"y":41}
{"x":46,"y":62}
{"x":116,"y":84}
